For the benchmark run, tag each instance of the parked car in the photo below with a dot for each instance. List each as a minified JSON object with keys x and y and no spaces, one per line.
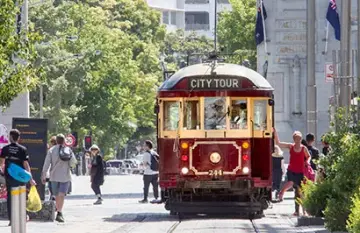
{"x":111,"y":164}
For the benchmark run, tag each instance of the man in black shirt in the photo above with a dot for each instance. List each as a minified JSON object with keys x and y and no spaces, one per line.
{"x":315,"y":155}
{"x":17,"y":154}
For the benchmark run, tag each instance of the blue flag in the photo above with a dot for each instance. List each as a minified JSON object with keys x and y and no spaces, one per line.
{"x":333,"y":17}
{"x":259,"y":28}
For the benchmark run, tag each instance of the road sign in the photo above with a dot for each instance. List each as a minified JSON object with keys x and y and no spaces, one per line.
{"x":329,"y":72}
{"x":70,"y":140}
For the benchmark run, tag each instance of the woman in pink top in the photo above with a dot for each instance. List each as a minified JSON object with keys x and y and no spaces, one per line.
{"x":298,"y":155}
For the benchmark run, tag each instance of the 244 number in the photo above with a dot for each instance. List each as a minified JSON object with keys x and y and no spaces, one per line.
{"x":216,"y":172}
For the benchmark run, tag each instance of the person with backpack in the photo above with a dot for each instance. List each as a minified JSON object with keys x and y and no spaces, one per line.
{"x":151,"y":172}
{"x":97,"y":172}
{"x":314,"y":152}
{"x":59,"y":159}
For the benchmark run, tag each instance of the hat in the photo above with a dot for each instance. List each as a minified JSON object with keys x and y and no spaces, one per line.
{"x":94,"y":147}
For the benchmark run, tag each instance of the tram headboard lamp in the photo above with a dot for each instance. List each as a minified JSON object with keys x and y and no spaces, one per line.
{"x":215,"y":157}
{"x":184,"y":145}
{"x":271,"y":102}
{"x":245,"y":145}
{"x":184,"y":170}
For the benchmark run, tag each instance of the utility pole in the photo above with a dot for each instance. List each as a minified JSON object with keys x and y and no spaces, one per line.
{"x":311,"y":97}
{"x":215,"y":27}
{"x":344,"y":98}
{"x":358,"y":63}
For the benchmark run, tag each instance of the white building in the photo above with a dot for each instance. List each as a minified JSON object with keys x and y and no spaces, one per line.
{"x":190,"y":15}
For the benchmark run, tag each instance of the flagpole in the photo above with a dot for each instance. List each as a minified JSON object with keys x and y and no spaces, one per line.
{"x":263,"y":22}
{"x":326,"y":37}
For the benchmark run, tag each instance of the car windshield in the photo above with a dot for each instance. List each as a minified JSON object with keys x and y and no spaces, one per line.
{"x":114,"y":164}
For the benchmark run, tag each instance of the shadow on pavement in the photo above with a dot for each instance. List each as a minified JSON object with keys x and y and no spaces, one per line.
{"x":159,"y":217}
{"x":108,"y":196}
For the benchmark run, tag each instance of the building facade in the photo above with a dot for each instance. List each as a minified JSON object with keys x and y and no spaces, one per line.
{"x":190,"y":15}
{"x":287,"y":69}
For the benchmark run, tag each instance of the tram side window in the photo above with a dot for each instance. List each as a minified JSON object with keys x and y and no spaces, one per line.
{"x":215,"y":113}
{"x":260,"y":114}
{"x":171,"y":115}
{"x":192,"y":115}
{"x":238,"y":114}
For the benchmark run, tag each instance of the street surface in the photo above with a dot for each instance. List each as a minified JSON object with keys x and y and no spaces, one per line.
{"x":121,"y":212}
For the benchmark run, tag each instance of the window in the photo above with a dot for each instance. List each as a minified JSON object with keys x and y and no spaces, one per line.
{"x":165,"y":17}
{"x":171,"y":115}
{"x":192,"y":115}
{"x":173,"y":18}
{"x":260,"y":114}
{"x":238,"y":118}
{"x":215,"y":113}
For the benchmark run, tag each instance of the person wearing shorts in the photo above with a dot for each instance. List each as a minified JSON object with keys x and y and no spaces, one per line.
{"x":295,"y":173}
{"x":60,"y":174}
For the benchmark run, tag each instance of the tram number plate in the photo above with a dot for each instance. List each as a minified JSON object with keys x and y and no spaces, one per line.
{"x":216,"y":172}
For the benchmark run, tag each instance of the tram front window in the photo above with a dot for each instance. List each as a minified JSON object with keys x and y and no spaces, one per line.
{"x":192,"y":115}
{"x":171,"y":115}
{"x":215,"y":113}
{"x":260,"y":114}
{"x":238,"y":114}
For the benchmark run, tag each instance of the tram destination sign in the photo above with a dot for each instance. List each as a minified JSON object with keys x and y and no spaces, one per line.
{"x":211,"y":83}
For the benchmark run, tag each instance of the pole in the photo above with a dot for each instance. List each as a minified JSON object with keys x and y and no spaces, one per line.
{"x":15,"y":205}
{"x":215,"y":28}
{"x":311,"y":97}
{"x":41,"y":101}
{"x":345,"y":54}
{"x":22,"y":209}
{"x":358,"y":64}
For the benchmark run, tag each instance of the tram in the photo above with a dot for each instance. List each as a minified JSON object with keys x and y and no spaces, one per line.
{"x":214,"y":126}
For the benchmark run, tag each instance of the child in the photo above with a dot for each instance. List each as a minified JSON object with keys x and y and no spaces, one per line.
{"x":278,"y":170}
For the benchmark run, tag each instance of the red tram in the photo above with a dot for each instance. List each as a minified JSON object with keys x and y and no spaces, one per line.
{"x":215,"y":140}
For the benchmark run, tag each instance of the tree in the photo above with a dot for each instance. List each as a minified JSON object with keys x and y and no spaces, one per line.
{"x":236,"y":30}
{"x":177,"y":46}
{"x":110,"y":88}
{"x":16,"y":55}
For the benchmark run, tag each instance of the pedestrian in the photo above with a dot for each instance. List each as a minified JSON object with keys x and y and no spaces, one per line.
{"x":315,"y":154}
{"x":59,"y":159}
{"x":16,"y":154}
{"x":151,"y":172}
{"x":52,"y":143}
{"x":278,"y":170}
{"x":295,"y":173}
{"x":96,"y":173}
{"x":326,"y":146}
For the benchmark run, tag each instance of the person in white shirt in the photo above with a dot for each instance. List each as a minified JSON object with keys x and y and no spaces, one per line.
{"x":151,"y":172}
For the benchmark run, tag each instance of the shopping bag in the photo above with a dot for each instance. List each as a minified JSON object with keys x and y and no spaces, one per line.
{"x":33,"y":204}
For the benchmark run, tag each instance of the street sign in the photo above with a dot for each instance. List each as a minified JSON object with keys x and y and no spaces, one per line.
{"x":329,"y":72}
{"x":70,"y":140}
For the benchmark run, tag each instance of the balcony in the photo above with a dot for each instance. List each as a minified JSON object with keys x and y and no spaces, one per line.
{"x":197,"y":27}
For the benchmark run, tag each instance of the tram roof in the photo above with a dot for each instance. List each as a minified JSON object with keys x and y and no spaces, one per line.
{"x":221,"y":69}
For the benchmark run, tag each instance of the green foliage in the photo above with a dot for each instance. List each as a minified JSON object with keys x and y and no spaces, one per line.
{"x":353,"y":223}
{"x":110,"y":88}
{"x":16,"y":55}
{"x":236,"y":31}
{"x":314,"y":196}
{"x":177,"y":46}
{"x":343,"y":175}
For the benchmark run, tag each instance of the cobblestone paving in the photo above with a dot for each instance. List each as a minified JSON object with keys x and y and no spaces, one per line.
{"x":121,"y":212}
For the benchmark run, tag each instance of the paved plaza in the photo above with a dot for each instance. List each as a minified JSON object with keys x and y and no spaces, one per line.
{"x":121,"y":212}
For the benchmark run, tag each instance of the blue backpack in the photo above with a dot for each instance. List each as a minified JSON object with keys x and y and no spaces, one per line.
{"x":154,"y":162}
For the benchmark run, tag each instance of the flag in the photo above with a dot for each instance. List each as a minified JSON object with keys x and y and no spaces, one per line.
{"x":259,"y":27}
{"x":333,"y":17}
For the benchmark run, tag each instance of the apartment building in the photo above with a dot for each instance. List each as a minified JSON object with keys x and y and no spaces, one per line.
{"x":190,"y":15}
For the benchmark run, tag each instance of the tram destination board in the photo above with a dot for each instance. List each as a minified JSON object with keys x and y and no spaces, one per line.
{"x":213,"y":83}
{"x":34,"y":138}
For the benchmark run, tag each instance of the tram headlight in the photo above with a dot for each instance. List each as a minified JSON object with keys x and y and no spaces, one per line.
{"x":184,"y":170}
{"x":245,"y":170}
{"x":215,"y":157}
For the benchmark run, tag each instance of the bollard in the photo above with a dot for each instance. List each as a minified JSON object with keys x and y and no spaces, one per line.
{"x":18,"y":209}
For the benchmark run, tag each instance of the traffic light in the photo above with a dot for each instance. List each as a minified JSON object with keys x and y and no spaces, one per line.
{"x":75,"y":134}
{"x":87,"y":142}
